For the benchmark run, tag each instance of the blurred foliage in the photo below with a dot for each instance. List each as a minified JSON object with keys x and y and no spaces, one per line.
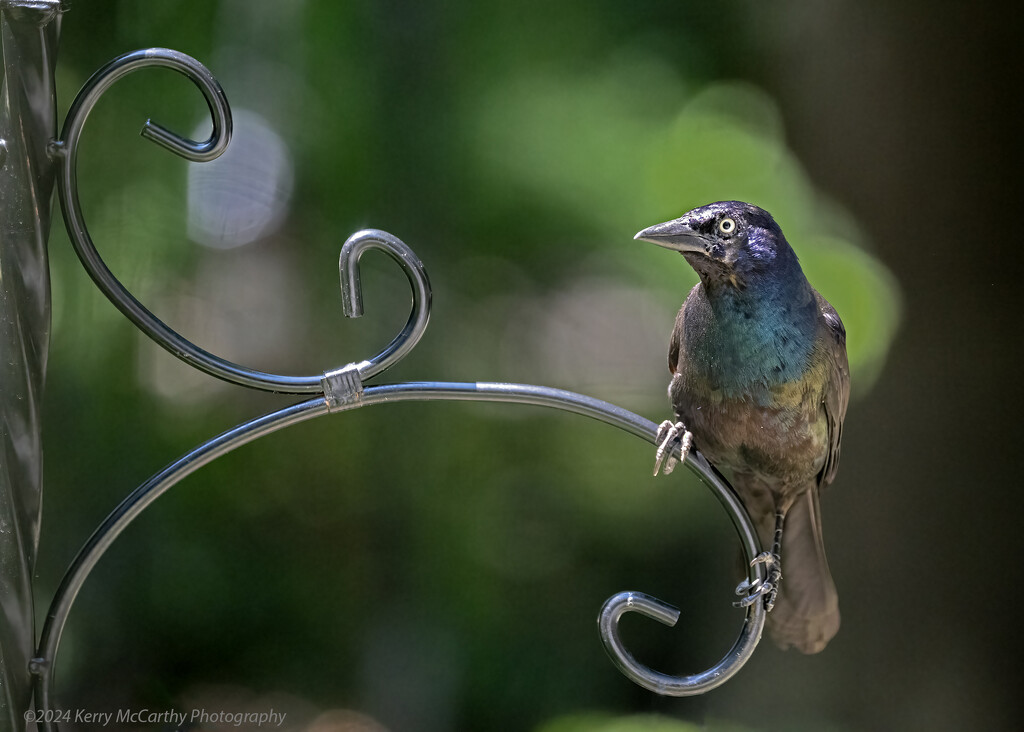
{"x":644,"y":723}
{"x":436,"y":566}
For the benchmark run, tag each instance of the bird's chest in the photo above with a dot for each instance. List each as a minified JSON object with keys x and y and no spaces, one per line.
{"x":749,"y":382}
{"x":776,"y":429}
{"x":780,"y":434}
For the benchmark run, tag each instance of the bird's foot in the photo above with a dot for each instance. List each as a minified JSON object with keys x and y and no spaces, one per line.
{"x":670,"y":433}
{"x":756,"y":590}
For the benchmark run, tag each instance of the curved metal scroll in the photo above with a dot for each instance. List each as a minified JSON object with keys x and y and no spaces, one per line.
{"x":67,"y":188}
{"x":352,"y":294}
{"x":43,"y":665}
{"x":148,"y":492}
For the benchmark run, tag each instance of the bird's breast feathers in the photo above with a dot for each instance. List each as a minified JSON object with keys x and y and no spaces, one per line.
{"x":775,"y":428}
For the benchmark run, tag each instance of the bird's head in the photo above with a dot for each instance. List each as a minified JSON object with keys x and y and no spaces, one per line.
{"x":729,"y":242}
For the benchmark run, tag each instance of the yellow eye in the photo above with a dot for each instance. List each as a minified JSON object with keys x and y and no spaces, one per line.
{"x":727,"y":226}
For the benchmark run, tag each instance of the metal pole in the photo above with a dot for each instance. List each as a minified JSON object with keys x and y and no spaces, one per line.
{"x":28,"y":43}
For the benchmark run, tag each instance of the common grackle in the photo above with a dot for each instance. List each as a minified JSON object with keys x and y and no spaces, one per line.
{"x":760,"y":378}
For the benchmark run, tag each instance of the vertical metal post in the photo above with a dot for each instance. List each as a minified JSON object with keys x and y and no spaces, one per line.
{"x":28,"y":45}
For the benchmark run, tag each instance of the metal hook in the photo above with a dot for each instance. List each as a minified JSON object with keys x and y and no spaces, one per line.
{"x":624,"y":602}
{"x":618,"y":605}
{"x":42,"y":666}
{"x":107,"y":76}
{"x":352,"y":293}
{"x":66,"y":152}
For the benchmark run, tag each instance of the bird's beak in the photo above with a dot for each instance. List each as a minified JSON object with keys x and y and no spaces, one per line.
{"x":676,"y":235}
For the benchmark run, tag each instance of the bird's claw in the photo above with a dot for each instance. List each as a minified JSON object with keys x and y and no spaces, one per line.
{"x":669,"y":433}
{"x":768,"y":589}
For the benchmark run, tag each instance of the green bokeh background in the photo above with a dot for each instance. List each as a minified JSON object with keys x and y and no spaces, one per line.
{"x":439,"y":566}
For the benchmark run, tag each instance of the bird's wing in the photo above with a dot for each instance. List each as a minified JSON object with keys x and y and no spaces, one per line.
{"x":674,"y":341}
{"x":837,"y":387}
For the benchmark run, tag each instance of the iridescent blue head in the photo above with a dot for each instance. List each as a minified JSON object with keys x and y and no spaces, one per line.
{"x":728,"y":243}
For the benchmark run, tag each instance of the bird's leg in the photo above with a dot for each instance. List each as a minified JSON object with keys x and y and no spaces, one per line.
{"x":668,"y":434}
{"x":772,"y":560}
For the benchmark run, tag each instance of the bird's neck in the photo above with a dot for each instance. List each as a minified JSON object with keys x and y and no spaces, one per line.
{"x":754,"y":336}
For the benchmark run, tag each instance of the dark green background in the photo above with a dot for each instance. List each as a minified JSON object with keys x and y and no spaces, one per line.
{"x":440,"y":566}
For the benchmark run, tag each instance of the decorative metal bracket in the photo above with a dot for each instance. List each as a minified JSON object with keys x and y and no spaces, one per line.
{"x":335,"y":390}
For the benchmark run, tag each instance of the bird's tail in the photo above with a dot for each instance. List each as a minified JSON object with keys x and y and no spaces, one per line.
{"x":806,"y":612}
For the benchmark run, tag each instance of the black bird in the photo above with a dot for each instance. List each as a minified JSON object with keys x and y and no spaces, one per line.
{"x":761,"y":380}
